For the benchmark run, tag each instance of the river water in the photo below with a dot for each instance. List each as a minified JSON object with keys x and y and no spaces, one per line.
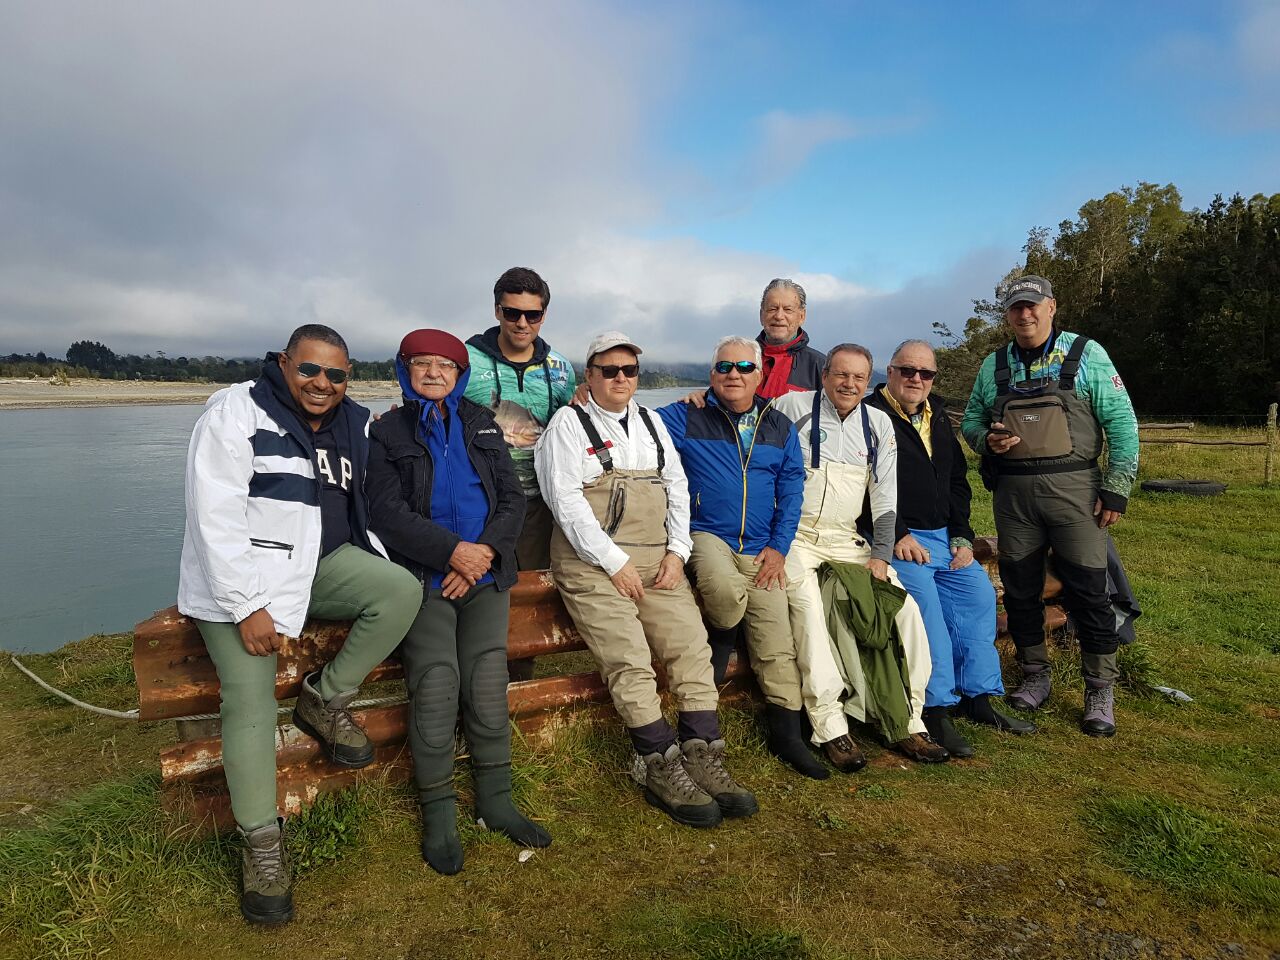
{"x":91,"y":501}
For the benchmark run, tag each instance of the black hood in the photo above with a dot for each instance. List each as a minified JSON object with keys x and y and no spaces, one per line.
{"x":487,"y":343}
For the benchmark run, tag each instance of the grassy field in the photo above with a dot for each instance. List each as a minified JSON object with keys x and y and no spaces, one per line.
{"x":1162,"y":842}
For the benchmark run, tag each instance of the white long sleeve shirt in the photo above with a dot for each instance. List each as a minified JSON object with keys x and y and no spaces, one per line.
{"x":843,"y":442}
{"x":564,"y":466}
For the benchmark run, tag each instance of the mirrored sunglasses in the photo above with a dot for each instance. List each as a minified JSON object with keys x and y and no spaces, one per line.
{"x":744,"y":367}
{"x":513,"y":315}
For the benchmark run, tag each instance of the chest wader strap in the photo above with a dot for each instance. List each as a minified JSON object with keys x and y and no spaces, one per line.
{"x":815,"y":436}
{"x":599,"y":448}
{"x":1067,"y":373}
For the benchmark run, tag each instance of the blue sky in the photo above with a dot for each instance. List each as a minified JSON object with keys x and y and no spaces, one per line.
{"x":200,"y":178}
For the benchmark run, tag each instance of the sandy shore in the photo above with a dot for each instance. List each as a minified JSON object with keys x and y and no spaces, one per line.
{"x":36,"y":394}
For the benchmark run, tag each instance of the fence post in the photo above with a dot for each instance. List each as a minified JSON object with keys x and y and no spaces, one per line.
{"x":1268,"y":471}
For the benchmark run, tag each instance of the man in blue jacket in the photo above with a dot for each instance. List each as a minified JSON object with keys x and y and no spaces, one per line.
{"x":746,"y":484}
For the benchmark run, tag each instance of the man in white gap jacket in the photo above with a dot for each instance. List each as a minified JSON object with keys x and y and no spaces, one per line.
{"x":850,"y":453}
{"x":276,"y":530}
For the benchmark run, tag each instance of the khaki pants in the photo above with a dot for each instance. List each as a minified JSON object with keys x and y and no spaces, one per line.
{"x":620,"y":633}
{"x":823,"y":684}
{"x":726,"y":583}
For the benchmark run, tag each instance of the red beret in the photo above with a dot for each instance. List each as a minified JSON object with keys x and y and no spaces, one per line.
{"x":436,"y":342}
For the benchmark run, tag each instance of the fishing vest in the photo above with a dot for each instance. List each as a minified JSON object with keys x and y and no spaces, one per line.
{"x":1058,"y":431}
{"x":629,"y":505}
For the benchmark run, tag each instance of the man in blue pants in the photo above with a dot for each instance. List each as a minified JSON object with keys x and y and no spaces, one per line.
{"x":933,"y":555}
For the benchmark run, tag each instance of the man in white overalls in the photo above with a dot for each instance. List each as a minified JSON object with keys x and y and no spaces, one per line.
{"x":618,"y":493}
{"x":850,"y":451}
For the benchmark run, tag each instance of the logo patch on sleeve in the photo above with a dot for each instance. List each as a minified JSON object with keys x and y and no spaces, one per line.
{"x":1117,"y":382}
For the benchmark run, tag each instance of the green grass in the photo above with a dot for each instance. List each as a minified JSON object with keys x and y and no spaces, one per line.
{"x":1171,"y":825}
{"x":1199,"y":856}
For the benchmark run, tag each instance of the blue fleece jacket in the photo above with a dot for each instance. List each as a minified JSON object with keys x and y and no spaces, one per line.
{"x":458,"y":500}
{"x":748,"y":498}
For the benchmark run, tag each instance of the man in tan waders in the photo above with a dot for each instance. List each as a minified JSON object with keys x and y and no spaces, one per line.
{"x":615,"y":486}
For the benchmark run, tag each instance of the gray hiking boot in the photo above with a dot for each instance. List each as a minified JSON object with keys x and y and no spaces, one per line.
{"x":332,"y":724}
{"x":705,"y":764}
{"x":667,"y":786}
{"x":1034,"y":691}
{"x":265,"y":897}
{"x":1099,"y":708}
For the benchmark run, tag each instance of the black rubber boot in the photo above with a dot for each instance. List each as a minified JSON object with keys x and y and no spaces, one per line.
{"x":937,"y":720}
{"x":722,"y":645}
{"x":441,"y":843}
{"x":980,"y":709}
{"x":496,"y":811}
{"x":785,"y":742}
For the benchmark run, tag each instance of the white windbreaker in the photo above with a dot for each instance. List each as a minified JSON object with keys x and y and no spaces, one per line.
{"x":242,"y":552}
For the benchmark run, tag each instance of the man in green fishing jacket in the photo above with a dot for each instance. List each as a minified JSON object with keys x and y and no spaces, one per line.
{"x":1039,"y":412}
{"x":516,"y":374}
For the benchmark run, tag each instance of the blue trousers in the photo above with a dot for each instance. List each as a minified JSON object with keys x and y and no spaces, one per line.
{"x":959,"y":610}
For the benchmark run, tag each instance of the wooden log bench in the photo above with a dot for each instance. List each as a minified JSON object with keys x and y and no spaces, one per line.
{"x":177,"y":680}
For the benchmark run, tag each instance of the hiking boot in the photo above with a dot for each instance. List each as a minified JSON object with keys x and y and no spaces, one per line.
{"x":937,"y":721}
{"x":1034,"y":691}
{"x":921,"y":748}
{"x":667,"y":786}
{"x":844,"y":754}
{"x":265,"y":897}
{"x":1099,"y":708}
{"x":705,"y":765}
{"x":786,"y":744}
{"x":981,"y":709}
{"x":332,"y":724}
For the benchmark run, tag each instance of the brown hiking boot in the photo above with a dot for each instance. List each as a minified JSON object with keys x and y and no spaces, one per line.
{"x":921,"y":748}
{"x":265,"y":897}
{"x":844,"y":754}
{"x":705,"y":765}
{"x":332,"y":724}
{"x":668,"y":787}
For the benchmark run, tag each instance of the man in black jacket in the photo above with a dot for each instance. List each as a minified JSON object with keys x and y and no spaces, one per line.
{"x":933,"y":555}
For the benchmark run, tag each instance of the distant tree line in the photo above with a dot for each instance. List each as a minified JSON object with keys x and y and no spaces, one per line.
{"x":89,"y":358}
{"x":1187,"y":303}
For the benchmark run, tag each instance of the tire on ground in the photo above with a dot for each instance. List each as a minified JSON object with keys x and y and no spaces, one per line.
{"x":1194,"y":488}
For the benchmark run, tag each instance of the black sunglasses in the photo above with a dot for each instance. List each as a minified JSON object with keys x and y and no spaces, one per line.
{"x":513,"y":315}
{"x":908,"y":372}
{"x":742,"y":366}
{"x":307,"y":369}
{"x":611,"y":370}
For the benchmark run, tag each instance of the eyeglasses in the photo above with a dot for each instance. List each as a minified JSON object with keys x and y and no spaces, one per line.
{"x":426,"y":363}
{"x":908,"y":372}
{"x":611,"y":370}
{"x":744,"y":367}
{"x":307,"y":370}
{"x":513,"y":315}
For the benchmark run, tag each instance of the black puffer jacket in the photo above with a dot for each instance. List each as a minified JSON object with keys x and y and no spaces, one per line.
{"x":399,"y":476}
{"x":933,"y":492}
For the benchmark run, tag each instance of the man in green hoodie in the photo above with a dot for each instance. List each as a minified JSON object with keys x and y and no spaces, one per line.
{"x":516,"y":374}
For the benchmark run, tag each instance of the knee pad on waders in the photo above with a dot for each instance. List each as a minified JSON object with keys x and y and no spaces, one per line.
{"x":486,"y":699}
{"x":435,"y":706}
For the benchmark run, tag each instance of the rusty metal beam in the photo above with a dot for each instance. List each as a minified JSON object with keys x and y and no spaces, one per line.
{"x":193,"y":777}
{"x":176,"y":677}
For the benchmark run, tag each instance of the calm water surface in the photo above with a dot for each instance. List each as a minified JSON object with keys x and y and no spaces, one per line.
{"x":92,"y":507}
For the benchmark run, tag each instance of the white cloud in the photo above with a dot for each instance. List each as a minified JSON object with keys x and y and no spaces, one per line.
{"x":787,"y":140}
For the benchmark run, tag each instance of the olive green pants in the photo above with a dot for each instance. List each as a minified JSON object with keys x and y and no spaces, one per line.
{"x":350,"y":584}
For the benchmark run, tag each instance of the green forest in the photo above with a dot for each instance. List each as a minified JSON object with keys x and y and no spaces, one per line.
{"x":1186,"y":302}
